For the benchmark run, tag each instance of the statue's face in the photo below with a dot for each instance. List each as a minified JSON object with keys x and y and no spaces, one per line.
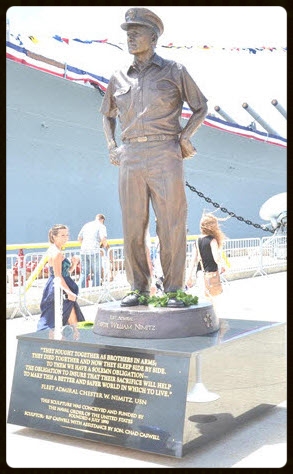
{"x":139,"y":39}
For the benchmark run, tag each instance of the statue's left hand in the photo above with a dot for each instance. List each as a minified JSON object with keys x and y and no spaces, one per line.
{"x":187,"y":149}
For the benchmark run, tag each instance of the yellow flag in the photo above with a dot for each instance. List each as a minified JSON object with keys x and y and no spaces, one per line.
{"x":226,"y":260}
{"x":33,"y":39}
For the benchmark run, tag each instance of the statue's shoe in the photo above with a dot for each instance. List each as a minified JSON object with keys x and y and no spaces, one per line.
{"x":174,"y":303}
{"x":130,"y":300}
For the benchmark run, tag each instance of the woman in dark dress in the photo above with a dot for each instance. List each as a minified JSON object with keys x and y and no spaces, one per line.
{"x":60,"y":266}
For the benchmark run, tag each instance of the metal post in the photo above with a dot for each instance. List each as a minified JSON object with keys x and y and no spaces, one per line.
{"x":260,"y":269}
{"x":58,"y":308}
{"x":199,"y":393}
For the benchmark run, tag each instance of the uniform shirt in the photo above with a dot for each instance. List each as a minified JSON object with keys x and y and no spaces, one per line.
{"x":92,"y":233}
{"x":149,"y":102}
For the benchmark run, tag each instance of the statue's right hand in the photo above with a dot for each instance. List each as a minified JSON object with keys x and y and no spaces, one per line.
{"x":115,"y":156}
{"x":187,"y":149}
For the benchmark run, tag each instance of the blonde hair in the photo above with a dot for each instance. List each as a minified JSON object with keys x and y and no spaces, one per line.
{"x":209,"y":225}
{"x":54,"y":231}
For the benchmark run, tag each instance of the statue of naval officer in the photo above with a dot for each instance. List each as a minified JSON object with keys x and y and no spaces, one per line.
{"x":148,"y":98}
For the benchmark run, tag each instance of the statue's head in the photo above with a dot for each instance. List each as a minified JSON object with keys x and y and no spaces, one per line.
{"x":143,"y":17}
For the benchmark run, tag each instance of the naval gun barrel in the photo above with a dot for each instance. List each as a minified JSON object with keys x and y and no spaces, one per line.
{"x":221,"y":112}
{"x":278,"y":106}
{"x":259,"y":119}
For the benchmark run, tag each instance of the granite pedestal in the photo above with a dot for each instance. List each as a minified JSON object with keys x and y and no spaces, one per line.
{"x":147,"y":322}
{"x":165,"y":396}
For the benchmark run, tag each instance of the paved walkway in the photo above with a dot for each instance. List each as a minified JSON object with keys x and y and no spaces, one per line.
{"x":259,"y":443}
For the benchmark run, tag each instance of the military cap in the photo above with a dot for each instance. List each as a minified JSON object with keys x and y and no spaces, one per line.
{"x":143,"y":17}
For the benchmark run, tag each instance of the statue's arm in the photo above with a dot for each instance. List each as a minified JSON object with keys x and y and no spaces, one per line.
{"x":194,"y":122}
{"x":109,"y":125}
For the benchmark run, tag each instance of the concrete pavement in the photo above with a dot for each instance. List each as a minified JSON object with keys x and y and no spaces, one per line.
{"x":259,"y":443}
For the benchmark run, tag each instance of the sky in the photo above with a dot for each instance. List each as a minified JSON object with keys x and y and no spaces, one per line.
{"x":234,"y":26}
{"x":228,"y":80}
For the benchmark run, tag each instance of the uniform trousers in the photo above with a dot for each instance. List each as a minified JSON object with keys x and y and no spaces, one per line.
{"x":152,"y":172}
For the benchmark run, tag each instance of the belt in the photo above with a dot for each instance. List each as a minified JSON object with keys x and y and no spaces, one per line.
{"x":150,"y":138}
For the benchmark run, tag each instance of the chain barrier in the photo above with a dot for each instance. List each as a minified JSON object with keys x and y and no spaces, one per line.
{"x":223,"y":209}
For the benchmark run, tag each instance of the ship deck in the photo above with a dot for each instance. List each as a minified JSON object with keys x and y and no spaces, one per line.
{"x":257,"y":443}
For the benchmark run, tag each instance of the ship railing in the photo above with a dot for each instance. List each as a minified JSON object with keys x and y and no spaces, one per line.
{"x":27,"y":273}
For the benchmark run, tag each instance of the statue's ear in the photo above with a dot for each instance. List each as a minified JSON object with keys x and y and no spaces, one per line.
{"x":154,"y":38}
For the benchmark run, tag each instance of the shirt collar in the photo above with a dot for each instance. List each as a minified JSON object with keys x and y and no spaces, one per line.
{"x":155,"y":59}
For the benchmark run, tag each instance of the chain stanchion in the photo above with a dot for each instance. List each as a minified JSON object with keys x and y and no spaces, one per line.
{"x":58,"y":308}
{"x":223,"y":209}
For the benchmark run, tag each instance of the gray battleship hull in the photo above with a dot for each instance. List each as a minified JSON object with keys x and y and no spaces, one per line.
{"x":58,"y":169}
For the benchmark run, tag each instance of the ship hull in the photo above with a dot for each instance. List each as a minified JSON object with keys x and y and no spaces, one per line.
{"x":58,"y":169}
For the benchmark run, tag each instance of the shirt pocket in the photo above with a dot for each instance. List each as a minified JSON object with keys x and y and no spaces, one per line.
{"x":164,"y":92}
{"x":123,"y":98}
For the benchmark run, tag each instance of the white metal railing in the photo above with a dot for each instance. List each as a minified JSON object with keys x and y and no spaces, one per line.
{"x":27,"y":274}
{"x":273,"y":251}
{"x":243,"y":254}
{"x":256,"y":255}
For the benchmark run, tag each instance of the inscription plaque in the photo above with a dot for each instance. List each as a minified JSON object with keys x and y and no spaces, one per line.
{"x":101,"y":394}
{"x":136,"y":393}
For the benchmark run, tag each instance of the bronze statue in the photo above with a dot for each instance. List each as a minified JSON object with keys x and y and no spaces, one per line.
{"x":148,"y":97}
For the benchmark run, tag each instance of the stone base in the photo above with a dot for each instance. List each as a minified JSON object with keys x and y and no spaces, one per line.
{"x":146,"y":322}
{"x":163,"y":396}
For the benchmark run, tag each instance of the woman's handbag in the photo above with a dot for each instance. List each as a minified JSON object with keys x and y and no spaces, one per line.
{"x":213,"y":283}
{"x":212,"y":280}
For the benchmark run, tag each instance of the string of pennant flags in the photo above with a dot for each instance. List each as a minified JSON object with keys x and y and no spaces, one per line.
{"x":28,"y":57}
{"x":251,"y":50}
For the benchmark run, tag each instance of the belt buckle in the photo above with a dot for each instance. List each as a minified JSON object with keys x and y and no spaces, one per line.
{"x":142,"y":139}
